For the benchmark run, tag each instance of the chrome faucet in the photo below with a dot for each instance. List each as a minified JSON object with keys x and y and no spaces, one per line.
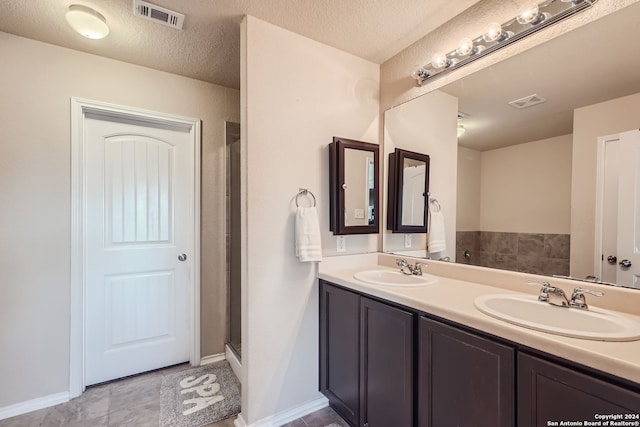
{"x":409,"y":269}
{"x":578,"y":299}
{"x":551,"y":294}
{"x":556,"y":296}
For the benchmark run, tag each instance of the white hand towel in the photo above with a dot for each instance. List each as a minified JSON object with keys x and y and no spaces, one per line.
{"x":307,"y":235}
{"x":436,"y":241}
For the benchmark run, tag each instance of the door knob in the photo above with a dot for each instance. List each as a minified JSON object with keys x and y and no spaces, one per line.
{"x":625,"y":263}
{"x":612,"y":259}
{"x":182,"y":257}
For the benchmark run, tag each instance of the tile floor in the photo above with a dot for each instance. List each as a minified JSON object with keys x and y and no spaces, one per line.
{"x":131,"y":402}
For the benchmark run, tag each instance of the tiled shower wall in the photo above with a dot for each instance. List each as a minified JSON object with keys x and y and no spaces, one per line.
{"x":546,"y":254}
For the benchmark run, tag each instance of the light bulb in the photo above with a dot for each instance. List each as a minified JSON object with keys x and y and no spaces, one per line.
{"x":439,"y":60}
{"x":461,"y":130}
{"x":465,"y":47}
{"x":528,"y":15}
{"x":494,"y":32}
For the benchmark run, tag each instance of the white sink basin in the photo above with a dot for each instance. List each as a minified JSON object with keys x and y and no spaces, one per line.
{"x":394,"y":278}
{"x":592,"y":324}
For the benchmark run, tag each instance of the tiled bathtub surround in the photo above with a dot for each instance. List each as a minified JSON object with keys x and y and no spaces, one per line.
{"x":536,"y":253}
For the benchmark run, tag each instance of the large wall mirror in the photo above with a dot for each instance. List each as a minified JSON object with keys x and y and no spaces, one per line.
{"x":353,"y":187}
{"x":528,"y":139}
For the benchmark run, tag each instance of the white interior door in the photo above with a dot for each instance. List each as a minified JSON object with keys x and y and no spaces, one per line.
{"x":139,"y":242}
{"x":610,"y":157}
{"x":629,"y":210}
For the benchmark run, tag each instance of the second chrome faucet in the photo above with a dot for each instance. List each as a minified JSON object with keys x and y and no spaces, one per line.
{"x":408,"y":269}
{"x":556,"y":296}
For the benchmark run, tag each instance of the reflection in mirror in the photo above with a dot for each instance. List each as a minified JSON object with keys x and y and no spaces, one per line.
{"x":410,"y":128}
{"x":618,"y":195}
{"x":408,"y":189}
{"x":358,"y":187}
{"x":353,"y":187}
{"x":526,"y":182}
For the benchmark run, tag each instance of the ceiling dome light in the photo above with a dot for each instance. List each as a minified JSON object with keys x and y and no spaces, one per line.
{"x":461,"y":130}
{"x":87,"y":22}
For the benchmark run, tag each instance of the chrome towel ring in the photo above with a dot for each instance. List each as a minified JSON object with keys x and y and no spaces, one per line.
{"x":435,"y":203}
{"x":305,"y":192}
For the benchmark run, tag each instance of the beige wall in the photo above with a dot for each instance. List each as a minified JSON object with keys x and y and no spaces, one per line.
{"x":526,"y":188}
{"x":296,"y":95}
{"x":590,"y":123}
{"x":426,"y":125}
{"x":468,"y":190}
{"x":38,"y":81}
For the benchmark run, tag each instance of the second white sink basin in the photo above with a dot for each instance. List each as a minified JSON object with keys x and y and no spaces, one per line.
{"x":527,"y":311}
{"x":394,"y":278}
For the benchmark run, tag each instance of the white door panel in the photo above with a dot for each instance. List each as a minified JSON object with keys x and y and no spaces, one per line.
{"x":629,"y":209}
{"x":139,"y":192}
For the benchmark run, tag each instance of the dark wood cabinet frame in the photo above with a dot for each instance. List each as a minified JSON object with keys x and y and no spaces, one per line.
{"x":337,"y":200}
{"x":395,"y":194}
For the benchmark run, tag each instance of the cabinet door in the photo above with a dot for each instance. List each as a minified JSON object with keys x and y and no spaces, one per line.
{"x":465,"y":380}
{"x":387,"y":365}
{"x":339,"y":350}
{"x":550,"y":393}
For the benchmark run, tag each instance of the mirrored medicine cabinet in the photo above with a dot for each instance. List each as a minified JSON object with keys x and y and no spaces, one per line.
{"x":408,"y":192}
{"x":353,"y":187}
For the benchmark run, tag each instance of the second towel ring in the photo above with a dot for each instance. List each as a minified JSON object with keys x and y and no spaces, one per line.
{"x":304,"y":192}
{"x":435,"y":203}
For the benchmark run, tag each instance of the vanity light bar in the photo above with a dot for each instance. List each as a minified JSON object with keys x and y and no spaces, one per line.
{"x":498,"y":36}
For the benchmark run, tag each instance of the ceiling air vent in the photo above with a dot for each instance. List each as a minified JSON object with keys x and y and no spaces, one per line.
{"x":158,"y":14}
{"x":527,"y":101}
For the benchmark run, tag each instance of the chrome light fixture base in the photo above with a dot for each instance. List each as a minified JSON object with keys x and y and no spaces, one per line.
{"x":498,"y":36}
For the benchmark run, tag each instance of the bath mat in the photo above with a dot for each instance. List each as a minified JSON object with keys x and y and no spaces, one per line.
{"x":199,"y":396}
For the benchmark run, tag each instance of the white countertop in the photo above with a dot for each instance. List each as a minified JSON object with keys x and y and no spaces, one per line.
{"x":453,"y":299}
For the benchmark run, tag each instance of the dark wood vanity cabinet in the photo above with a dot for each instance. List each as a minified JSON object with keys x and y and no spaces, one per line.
{"x":366,"y":358}
{"x":549,"y":393}
{"x":464,"y":379}
{"x":382,"y":365}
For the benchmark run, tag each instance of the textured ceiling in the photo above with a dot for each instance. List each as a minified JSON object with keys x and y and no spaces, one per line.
{"x":208,"y":47}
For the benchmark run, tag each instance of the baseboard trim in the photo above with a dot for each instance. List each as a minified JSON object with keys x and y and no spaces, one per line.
{"x":33,"y":405}
{"x":212,"y":359}
{"x":236,"y":364}
{"x":285,"y":416}
{"x":239,"y":421}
